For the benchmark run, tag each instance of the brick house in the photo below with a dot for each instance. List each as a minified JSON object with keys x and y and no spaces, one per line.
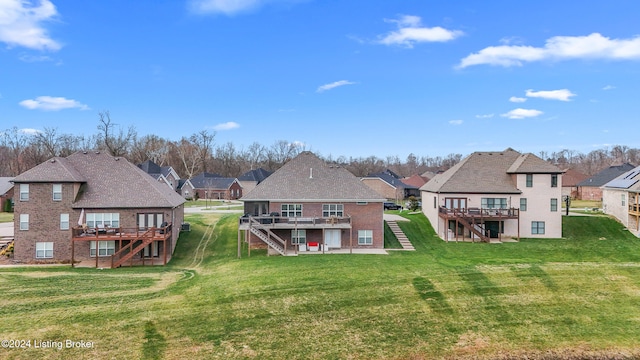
{"x":570,"y":180}
{"x":387,"y":184}
{"x":621,"y":199}
{"x":591,"y":188}
{"x":309,"y":205}
{"x":490,"y":196}
{"x":215,"y":187}
{"x":252,"y":178}
{"x":93,"y":206}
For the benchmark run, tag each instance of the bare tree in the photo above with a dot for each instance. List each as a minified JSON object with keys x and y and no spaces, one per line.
{"x":150,"y":147}
{"x":115,"y":141}
{"x":15,"y":142}
{"x":203,"y":142}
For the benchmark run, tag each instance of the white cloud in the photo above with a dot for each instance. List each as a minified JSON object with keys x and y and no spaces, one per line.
{"x":32,"y":58}
{"x":456,"y":122}
{"x":230,"y":125}
{"x":334,"y":85}
{"x":484,"y":116}
{"x":520,"y":113}
{"x":516,"y":99}
{"x":608,"y":87}
{"x":29,"y":131}
{"x":562,"y":94}
{"x":410,"y":32}
{"x":230,"y":7}
{"x":593,"y":46}
{"x":21,"y":24}
{"x":49,"y":103}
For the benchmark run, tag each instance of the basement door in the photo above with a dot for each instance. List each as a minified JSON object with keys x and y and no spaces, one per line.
{"x":146,"y":221}
{"x":332,"y":238}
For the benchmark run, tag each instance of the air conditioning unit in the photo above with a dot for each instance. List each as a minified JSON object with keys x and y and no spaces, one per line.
{"x":186,"y":227}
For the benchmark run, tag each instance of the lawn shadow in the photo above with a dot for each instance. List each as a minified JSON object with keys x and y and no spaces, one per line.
{"x":433,"y":297}
{"x":154,"y":343}
{"x":479,"y":282}
{"x":535,"y":271}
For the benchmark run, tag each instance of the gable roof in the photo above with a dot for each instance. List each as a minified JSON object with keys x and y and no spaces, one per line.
{"x":5,"y":184}
{"x":257,"y":175}
{"x":606,"y":175}
{"x":488,"y":173}
{"x":388,"y":177}
{"x":415,"y":181}
{"x":630,"y":180}
{"x":107,"y":182}
{"x":211,"y":181}
{"x":307,"y":178}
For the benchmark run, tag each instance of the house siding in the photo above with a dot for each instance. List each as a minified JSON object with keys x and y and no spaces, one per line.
{"x":538,"y":207}
{"x":363,"y":217}
{"x":612,"y":204}
{"x":383,"y":188}
{"x":44,"y":223}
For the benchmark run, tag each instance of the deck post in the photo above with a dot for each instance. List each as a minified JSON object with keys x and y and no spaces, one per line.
{"x":351,"y":239}
{"x":239,"y":236}
{"x":97,"y":250}
{"x":73,"y":248}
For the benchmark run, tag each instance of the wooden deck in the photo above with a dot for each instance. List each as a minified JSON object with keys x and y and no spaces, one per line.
{"x":114,"y":234}
{"x":278,"y":222}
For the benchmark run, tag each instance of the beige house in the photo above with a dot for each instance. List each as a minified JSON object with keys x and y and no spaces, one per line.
{"x":621,"y":199}
{"x":492,"y":196}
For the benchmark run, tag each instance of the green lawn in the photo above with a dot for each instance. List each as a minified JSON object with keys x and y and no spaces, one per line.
{"x":6,"y":217}
{"x":571,"y":298}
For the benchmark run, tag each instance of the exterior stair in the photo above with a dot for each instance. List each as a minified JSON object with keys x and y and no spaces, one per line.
{"x":146,"y":238}
{"x":471,"y":228}
{"x":268,"y":237}
{"x":402,"y":238}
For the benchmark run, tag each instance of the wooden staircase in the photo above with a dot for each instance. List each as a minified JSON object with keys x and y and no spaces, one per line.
{"x":268,"y":237}
{"x":144,"y":240}
{"x":472,"y":228}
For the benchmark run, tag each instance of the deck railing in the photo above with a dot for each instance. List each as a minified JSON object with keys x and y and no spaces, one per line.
{"x":115,"y":233}
{"x":293,"y":221}
{"x":478,"y":212}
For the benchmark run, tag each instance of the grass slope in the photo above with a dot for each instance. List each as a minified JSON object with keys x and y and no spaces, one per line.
{"x":576,"y":297}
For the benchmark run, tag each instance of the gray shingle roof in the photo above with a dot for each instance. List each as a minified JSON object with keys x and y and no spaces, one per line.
{"x":211,"y":181}
{"x":257,"y":175}
{"x":5,"y":184}
{"x":629,"y":180}
{"x":108,"y":182}
{"x":308,"y":178}
{"x":488,"y":173}
{"x":606,"y":175}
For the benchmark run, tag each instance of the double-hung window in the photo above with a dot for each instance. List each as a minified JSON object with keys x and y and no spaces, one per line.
{"x":493,"y":203}
{"x":44,"y":250}
{"x":57,"y":192}
{"x":64,"y":221}
{"x":329,"y":210}
{"x":298,"y":237}
{"x":529,"y":180}
{"x":537,"y":227}
{"x":554,"y":204}
{"x":291,"y":210}
{"x":103,"y":220}
{"x":365,"y":237}
{"x":554,"y":180}
{"x":24,"y":192}
{"x":24,"y":221}
{"x":105,"y":248}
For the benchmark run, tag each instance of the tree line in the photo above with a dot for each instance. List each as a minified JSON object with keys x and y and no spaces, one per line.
{"x":197,"y":153}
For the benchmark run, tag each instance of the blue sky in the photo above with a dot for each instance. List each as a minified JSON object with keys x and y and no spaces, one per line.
{"x":353,"y":78}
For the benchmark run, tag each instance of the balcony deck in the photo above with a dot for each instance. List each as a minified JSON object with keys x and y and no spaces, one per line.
{"x":279,"y":222}
{"x":79,"y":233}
{"x":477,"y":213}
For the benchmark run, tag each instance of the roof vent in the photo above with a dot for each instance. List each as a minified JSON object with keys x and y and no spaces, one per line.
{"x":117,"y":158}
{"x":97,"y":152}
{"x":53,"y":160}
{"x":310,"y":173}
{"x":84,"y":152}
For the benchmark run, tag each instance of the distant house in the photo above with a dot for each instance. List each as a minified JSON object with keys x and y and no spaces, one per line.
{"x":495,"y":195}
{"x":213,"y":186}
{"x":165,"y":174}
{"x":93,"y":206}
{"x":252,"y":178}
{"x":387,"y":184}
{"x":590,"y":189}
{"x":309,"y":205}
{"x":413,"y":184}
{"x":621,"y":199}
{"x":6,"y":192}
{"x":186,"y":189}
{"x":570,"y":180}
